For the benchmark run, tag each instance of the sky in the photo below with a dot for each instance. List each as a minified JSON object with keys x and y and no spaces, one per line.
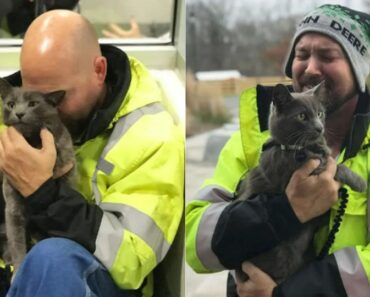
{"x":283,"y":7}
{"x":279,"y":8}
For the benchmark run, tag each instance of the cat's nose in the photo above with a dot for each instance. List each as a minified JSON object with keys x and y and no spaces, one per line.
{"x":319,"y":129}
{"x":20,"y":115}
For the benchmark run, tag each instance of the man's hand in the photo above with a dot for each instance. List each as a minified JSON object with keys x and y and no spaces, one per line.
{"x":312,"y":195}
{"x":26,"y":168}
{"x":115,"y":31}
{"x":259,"y":283}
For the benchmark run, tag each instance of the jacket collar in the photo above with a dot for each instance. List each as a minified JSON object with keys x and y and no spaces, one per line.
{"x":359,"y":126}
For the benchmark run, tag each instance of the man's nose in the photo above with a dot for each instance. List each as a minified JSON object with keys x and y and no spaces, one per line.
{"x":313,"y":66}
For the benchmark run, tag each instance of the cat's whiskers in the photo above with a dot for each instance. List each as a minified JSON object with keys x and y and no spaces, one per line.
{"x":296,"y":136}
{"x":299,"y":143}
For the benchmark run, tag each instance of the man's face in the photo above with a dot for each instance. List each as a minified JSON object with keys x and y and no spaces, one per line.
{"x":78,"y":101}
{"x":319,"y":58}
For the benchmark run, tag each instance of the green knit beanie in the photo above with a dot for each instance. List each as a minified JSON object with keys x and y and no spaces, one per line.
{"x":348,"y":27}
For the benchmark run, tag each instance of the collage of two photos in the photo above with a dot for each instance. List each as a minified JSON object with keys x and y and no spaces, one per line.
{"x":184,"y":148}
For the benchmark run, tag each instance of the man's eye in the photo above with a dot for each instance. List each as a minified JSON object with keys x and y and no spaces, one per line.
{"x":11,"y":104}
{"x":327,"y":59}
{"x":301,"y":56}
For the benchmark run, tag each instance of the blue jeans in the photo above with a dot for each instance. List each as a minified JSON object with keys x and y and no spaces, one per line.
{"x":58,"y":267}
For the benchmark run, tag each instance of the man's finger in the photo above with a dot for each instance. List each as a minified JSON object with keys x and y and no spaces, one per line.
{"x":13,"y":134}
{"x":47,"y":139}
{"x":250,"y":269}
{"x":4,"y":139}
{"x":1,"y":155}
{"x":245,"y":288}
{"x":109,"y":34}
{"x":307,"y":168}
{"x":331,"y":167}
{"x":15,"y":137}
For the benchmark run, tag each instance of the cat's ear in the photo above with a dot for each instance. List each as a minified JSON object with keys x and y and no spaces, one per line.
{"x":55,"y":98}
{"x":5,"y":88}
{"x":320,"y":90}
{"x":280,"y":96}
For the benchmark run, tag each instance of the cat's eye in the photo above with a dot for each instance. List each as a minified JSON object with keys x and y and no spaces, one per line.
{"x":32,"y":103}
{"x":11,"y":104}
{"x":320,"y":114}
{"x":301,"y":116}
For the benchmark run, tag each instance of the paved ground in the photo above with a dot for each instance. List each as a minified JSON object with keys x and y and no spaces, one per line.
{"x":199,"y":168}
{"x":200,"y":285}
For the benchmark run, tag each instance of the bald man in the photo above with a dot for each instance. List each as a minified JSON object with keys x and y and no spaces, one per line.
{"x":106,"y":235}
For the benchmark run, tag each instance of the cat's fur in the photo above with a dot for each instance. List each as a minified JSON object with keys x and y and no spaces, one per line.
{"x":29,"y":112}
{"x":296,"y":119}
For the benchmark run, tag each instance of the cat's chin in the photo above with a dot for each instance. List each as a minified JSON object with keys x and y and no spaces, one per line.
{"x":27,"y":130}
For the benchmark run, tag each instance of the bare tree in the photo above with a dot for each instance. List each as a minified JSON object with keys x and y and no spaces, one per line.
{"x":218,"y":38}
{"x":209,"y":38}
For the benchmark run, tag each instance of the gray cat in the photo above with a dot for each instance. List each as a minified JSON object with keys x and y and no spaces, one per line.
{"x":296,"y":124}
{"x":29,"y":112}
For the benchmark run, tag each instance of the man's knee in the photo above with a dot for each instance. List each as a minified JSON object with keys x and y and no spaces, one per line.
{"x":48,"y":262}
{"x":56,"y":252}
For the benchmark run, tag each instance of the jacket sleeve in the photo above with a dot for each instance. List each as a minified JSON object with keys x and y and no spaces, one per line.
{"x":248,"y":228}
{"x":221,"y":232}
{"x":56,"y":210}
{"x":139,"y":207}
{"x":340,"y":274}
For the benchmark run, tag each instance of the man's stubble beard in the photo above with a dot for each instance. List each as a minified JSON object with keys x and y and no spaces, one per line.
{"x":332,"y":102}
{"x":335,"y":102}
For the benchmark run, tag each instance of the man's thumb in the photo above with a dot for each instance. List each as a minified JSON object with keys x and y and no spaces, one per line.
{"x":250,"y":269}
{"x":47,"y":140}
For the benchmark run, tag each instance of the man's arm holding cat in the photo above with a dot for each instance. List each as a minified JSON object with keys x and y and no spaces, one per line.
{"x":317,"y":273}
{"x":26,"y":174}
{"x":130,"y":210}
{"x":222,"y":234}
{"x":262,"y":222}
{"x":318,"y":278}
{"x":305,"y":192}
{"x":30,"y":171}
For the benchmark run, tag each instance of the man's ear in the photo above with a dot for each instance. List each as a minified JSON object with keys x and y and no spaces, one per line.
{"x":100,"y":69}
{"x":55,"y":98}
{"x":5,"y":88}
{"x":280,"y":96}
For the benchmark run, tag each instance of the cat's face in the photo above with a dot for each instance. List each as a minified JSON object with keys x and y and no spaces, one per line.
{"x":28,"y":111}
{"x":297,"y":118}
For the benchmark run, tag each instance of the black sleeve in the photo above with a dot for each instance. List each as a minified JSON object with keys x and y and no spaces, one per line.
{"x":57,"y":210}
{"x":248,"y":228}
{"x":5,"y":277}
{"x":319,"y":278}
